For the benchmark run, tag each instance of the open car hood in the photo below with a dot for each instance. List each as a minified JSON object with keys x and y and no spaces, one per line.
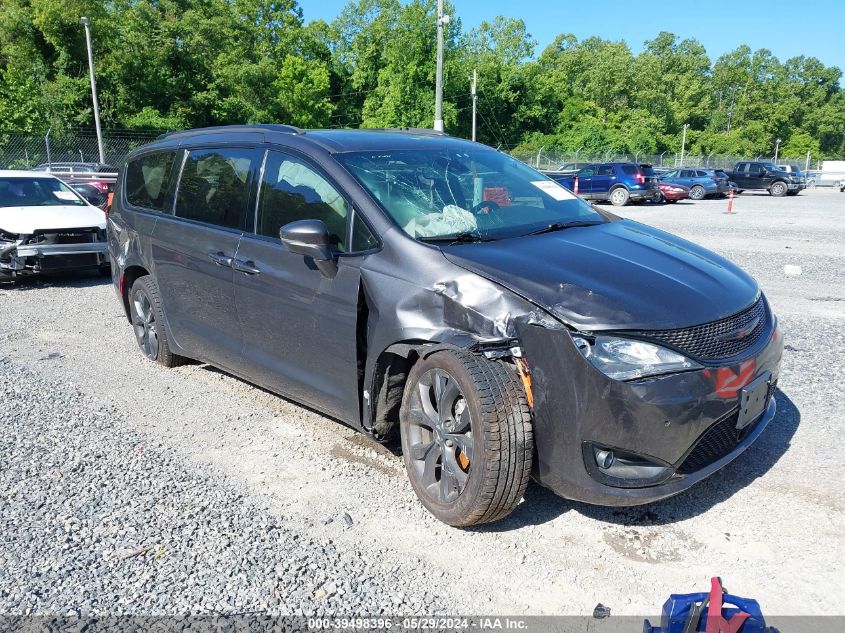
{"x":619,"y":275}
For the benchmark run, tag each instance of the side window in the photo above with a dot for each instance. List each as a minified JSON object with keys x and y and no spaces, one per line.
{"x":362,"y":238}
{"x":215,"y":186}
{"x":586,"y":172}
{"x":291,"y":191}
{"x":629,"y":169}
{"x":148,"y":180}
{"x":605,"y":170}
{"x":742,"y":168}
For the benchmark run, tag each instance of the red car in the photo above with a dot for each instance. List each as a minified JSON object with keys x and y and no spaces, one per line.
{"x":672,"y":193}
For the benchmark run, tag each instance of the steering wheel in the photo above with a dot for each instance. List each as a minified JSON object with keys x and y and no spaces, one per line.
{"x":491,"y":205}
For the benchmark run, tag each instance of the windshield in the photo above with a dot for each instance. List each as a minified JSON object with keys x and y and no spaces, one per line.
{"x":36,"y":192}
{"x":445,"y":193}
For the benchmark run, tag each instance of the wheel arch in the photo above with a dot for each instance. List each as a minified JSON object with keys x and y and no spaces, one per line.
{"x":128,"y":277}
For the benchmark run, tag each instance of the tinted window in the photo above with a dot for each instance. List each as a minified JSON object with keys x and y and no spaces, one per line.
{"x":586,"y":172}
{"x":647,"y":170}
{"x":215,"y":186}
{"x":629,"y":169}
{"x":291,"y":190}
{"x":605,"y":170}
{"x":742,"y":167}
{"x":148,"y":180}
{"x":701,"y":174}
{"x":362,"y":238}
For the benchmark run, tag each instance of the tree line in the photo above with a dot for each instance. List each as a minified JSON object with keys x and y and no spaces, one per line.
{"x":171,"y":64}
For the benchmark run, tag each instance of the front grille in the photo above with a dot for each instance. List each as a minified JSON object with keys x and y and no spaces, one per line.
{"x":719,"y":440}
{"x":703,"y":341}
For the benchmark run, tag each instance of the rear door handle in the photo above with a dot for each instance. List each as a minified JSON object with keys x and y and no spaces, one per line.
{"x":220,"y":259}
{"x":247,"y":267}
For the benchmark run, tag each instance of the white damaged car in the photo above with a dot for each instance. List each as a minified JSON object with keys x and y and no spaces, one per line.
{"x":45,"y":226}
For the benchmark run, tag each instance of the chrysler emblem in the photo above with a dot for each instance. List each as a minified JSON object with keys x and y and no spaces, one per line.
{"x":735,"y":335}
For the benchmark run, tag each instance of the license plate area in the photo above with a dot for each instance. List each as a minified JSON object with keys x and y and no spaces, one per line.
{"x":752,"y":400}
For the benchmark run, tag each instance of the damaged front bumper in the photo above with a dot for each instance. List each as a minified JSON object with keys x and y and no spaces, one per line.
{"x":51,"y":251}
{"x":615,"y":443}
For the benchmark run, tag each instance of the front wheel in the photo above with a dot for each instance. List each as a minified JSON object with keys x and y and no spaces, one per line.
{"x":619,"y":197}
{"x":778,"y":189}
{"x":467,"y":439}
{"x":697,"y":192}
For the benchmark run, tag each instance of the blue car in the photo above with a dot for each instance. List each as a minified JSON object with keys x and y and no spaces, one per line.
{"x":617,"y":182}
{"x":701,"y":183}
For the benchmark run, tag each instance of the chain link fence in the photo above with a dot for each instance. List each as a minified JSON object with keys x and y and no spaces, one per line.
{"x":555,"y":161}
{"x":21,"y":150}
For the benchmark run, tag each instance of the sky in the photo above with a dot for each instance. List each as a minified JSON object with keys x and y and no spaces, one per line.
{"x":787,"y":29}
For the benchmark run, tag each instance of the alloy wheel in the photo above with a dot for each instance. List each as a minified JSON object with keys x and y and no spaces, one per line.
{"x":440,"y":435}
{"x":144,"y":324}
{"x":696,"y":193}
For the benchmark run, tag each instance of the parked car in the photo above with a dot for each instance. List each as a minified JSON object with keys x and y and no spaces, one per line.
{"x":79,"y":173}
{"x":700,"y":183}
{"x":408,"y":281}
{"x":91,"y":193}
{"x":763,"y":176}
{"x":796,"y":172}
{"x":671,"y":193}
{"x":617,"y":182}
{"x":45,"y":226}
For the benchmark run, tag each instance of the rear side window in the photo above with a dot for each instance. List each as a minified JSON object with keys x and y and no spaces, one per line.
{"x":215,"y":186}
{"x":148,"y":180}
{"x":629,"y":169}
{"x":291,"y":190}
{"x":605,"y":170}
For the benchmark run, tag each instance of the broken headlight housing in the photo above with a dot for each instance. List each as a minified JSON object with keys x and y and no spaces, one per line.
{"x":627,"y":359}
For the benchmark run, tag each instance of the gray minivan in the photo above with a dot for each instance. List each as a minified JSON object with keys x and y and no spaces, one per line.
{"x":405,"y":281}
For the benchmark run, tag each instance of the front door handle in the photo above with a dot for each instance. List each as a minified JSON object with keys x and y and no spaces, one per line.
{"x":247,"y":267}
{"x":220,"y":259}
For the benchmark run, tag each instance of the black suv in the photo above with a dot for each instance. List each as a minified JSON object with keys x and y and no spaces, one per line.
{"x":408,"y":281}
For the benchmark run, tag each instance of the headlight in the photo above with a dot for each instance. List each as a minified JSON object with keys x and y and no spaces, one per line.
{"x":624,"y":359}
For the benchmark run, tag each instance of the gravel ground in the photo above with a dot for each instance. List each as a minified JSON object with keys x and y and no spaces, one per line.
{"x":129,"y":488}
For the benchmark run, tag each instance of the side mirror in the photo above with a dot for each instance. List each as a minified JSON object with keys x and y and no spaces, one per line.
{"x":311,"y":239}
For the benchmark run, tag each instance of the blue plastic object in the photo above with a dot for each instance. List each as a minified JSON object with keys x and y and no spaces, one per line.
{"x":677,"y":610}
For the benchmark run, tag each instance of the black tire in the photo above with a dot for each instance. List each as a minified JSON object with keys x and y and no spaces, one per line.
{"x":778,"y":189}
{"x":147,"y":319}
{"x":482,"y":475}
{"x":697,"y":192}
{"x":619,"y":196}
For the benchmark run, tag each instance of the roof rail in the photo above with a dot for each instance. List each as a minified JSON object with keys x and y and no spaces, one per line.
{"x":422,"y":131}
{"x":272,"y":127}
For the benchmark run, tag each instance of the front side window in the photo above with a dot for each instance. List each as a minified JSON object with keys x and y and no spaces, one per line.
{"x":215,"y":186}
{"x":290,"y":191}
{"x":36,"y":192}
{"x":441,"y":193}
{"x":148,"y":180}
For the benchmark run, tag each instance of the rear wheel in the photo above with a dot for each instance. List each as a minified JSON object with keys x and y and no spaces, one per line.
{"x":619,"y":197}
{"x":778,"y":189}
{"x":467,"y":439}
{"x":697,"y":192}
{"x":147,"y":319}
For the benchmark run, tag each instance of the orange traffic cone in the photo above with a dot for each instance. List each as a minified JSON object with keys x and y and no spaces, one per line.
{"x":730,"y":210}
{"x":575,"y":188}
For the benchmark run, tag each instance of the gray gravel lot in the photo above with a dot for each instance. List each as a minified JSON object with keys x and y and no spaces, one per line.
{"x":129,"y":488}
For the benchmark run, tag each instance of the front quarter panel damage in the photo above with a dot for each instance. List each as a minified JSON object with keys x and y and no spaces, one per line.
{"x":444,"y":306}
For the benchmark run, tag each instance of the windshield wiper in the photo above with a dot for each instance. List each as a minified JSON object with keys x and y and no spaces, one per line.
{"x":458,"y":238}
{"x":560,"y":226}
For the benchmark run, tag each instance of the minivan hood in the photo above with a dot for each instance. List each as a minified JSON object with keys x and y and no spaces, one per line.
{"x":618,"y":275}
{"x":27,"y":220}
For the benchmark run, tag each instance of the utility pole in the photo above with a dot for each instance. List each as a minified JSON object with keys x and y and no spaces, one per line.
{"x":807,"y":164}
{"x":474,"y":99}
{"x":86,"y":23}
{"x":777,"y":147}
{"x":442,"y":21}
{"x":684,"y":143}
